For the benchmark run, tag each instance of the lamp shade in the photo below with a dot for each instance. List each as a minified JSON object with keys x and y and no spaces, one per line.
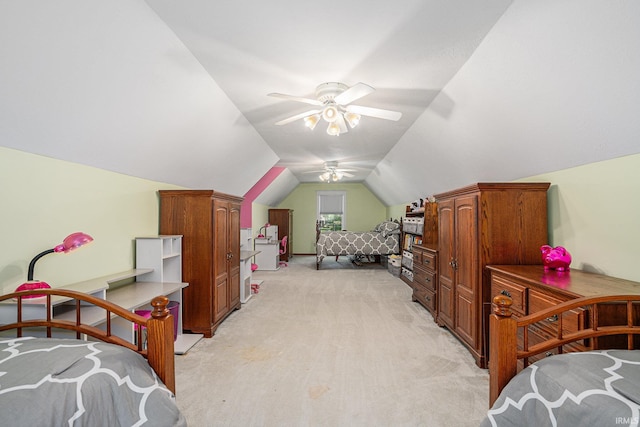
{"x":311,"y":121}
{"x":352,"y":118}
{"x":330,"y":113}
{"x":333,"y":129}
{"x":73,"y":241}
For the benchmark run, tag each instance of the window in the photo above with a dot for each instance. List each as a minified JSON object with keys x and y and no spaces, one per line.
{"x":331,"y":210}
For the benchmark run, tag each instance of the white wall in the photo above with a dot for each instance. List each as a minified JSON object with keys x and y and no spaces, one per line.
{"x":80,"y":77}
{"x":549,"y":77}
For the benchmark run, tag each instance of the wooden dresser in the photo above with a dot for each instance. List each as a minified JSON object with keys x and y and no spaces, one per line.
{"x":532,"y":289}
{"x":425,"y":276}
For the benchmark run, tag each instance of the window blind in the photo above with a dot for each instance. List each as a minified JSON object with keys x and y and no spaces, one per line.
{"x":331,"y":204}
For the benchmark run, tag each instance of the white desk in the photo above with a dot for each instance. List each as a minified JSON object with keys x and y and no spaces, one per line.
{"x":269,"y":256}
{"x":130,"y":296}
{"x":245,"y":274}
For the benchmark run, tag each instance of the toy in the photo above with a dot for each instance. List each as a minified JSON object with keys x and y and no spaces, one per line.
{"x":417,"y":205}
{"x":557,"y":258}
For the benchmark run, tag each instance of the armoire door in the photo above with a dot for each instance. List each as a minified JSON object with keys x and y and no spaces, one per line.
{"x":446,"y":263}
{"x":221,"y":258}
{"x":467,"y":278}
{"x":234,"y":261}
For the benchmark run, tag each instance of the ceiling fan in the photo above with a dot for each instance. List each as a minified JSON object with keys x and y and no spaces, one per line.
{"x":331,"y":172}
{"x":334,"y":102}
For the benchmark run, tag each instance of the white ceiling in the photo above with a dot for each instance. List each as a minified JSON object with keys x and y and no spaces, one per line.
{"x":406,"y":50}
{"x":176,"y":91}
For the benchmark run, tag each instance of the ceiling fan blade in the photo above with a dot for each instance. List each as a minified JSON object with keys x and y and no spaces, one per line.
{"x":296,"y":117}
{"x":295,"y":98}
{"x":356,"y":91}
{"x":374,"y":112}
{"x":347,"y":174}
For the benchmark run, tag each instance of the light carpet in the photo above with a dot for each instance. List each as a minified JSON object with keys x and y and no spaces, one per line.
{"x":334,"y":347}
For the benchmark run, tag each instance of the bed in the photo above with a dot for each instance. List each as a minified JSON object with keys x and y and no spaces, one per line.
{"x":591,"y":387}
{"x":59,"y":372}
{"x":384,"y":239}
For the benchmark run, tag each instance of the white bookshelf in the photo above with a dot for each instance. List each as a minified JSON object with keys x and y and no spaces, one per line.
{"x":163,"y":255}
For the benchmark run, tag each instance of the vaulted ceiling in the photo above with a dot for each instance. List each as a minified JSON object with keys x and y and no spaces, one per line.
{"x":176,"y":91}
{"x":408,"y":52}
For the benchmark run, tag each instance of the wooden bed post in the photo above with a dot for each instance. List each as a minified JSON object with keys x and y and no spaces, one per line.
{"x":502,"y":359}
{"x":160,"y":342}
{"x":317,"y":238}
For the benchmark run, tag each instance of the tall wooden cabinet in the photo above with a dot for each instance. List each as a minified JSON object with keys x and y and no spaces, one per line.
{"x":283,"y":218}
{"x":210,"y":225}
{"x":484,"y":223}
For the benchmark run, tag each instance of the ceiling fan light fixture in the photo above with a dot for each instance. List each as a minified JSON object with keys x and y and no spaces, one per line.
{"x":330,"y":113}
{"x":312,"y":121}
{"x":335,"y":106}
{"x":352,"y":118}
{"x":333,"y":129}
{"x":331,"y":176}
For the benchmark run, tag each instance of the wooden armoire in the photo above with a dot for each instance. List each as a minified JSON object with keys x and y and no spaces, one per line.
{"x":209,"y":223}
{"x":283,"y":218}
{"x":479,"y":225}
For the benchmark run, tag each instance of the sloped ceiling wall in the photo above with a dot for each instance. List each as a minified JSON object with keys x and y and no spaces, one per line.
{"x":552,"y":86}
{"x":107,"y":84}
{"x":278,"y":190}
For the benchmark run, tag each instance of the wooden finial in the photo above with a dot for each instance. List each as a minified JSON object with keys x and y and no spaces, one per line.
{"x":502,"y":305}
{"x":159,"y":305}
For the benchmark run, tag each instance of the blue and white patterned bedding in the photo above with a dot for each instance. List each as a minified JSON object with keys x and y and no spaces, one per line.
{"x":383,"y":240}
{"x":595,"y":388}
{"x":63,"y":382}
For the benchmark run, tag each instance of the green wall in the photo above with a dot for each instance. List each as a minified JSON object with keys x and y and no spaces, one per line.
{"x":364,"y":211}
{"x":398,"y":211}
{"x":594,"y":211}
{"x":259,"y":217}
{"x":44,"y":200}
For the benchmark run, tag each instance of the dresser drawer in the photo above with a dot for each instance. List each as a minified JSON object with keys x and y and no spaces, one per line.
{"x":417,"y":255}
{"x":572,"y":321}
{"x":425,"y":278}
{"x":426,"y":297}
{"x":517,"y":293}
{"x":429,"y":260}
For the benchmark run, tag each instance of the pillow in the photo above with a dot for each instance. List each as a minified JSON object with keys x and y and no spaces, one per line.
{"x":389,"y":228}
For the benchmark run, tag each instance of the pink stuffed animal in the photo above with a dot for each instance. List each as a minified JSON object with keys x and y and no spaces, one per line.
{"x":557,"y":258}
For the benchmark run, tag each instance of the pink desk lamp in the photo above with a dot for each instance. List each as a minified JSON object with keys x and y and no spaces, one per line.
{"x":71,"y":242}
{"x":264,"y":227}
